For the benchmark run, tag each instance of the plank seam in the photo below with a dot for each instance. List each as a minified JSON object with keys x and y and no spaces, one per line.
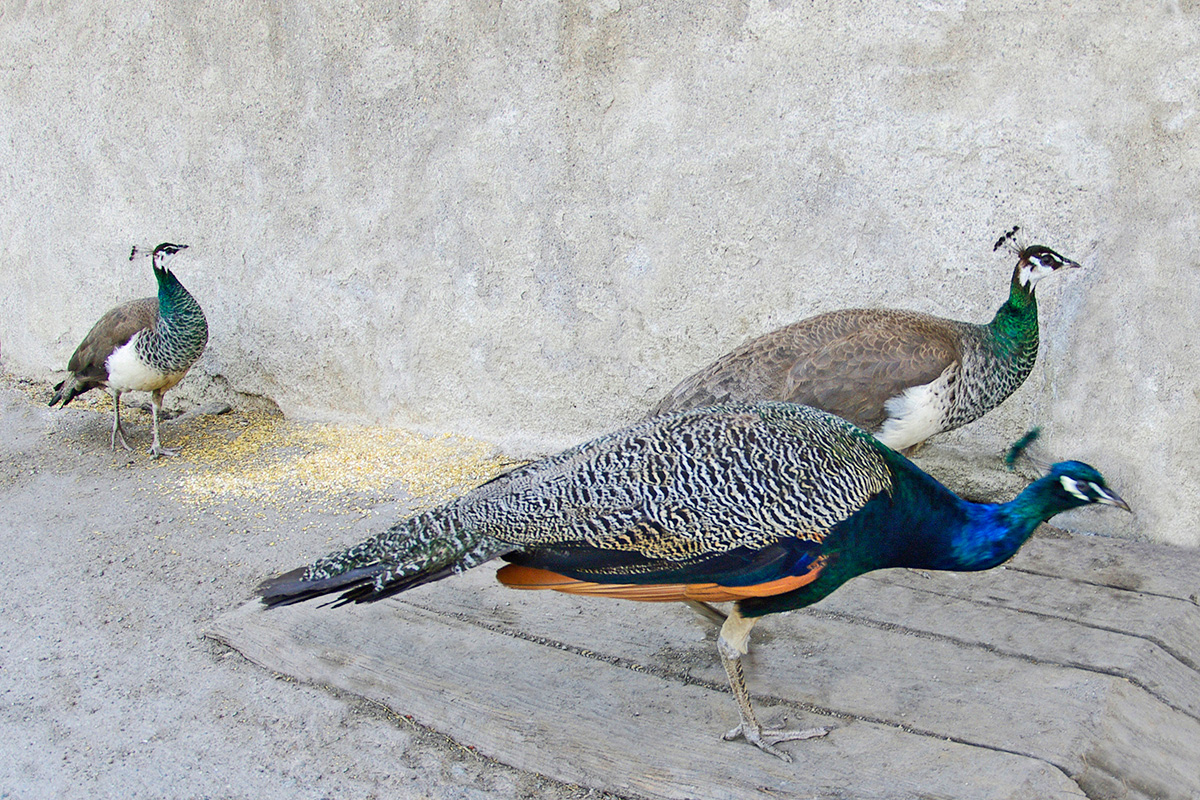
{"x":1191,"y":601}
{"x":396,"y":717}
{"x":1182,"y":658}
{"x":1115,"y":673}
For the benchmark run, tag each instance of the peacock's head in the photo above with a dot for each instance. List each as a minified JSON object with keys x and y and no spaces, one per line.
{"x":1077,"y":484}
{"x":1034,"y":261}
{"x":161,"y":254}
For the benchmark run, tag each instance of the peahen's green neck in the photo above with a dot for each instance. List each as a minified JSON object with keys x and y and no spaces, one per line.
{"x":172,"y":297}
{"x":1014,"y":329}
{"x":181,"y":332}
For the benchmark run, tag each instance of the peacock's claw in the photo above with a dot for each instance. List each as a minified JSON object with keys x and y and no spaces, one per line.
{"x":765,"y":739}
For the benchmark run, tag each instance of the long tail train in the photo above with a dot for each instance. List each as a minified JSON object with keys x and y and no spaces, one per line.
{"x":413,"y":552}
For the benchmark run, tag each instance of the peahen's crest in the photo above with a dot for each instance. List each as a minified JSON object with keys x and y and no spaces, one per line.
{"x":1008,"y":241}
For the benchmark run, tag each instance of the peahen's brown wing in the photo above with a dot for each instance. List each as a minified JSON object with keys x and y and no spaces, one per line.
{"x":847,"y":362}
{"x":854,"y":373}
{"x":111,"y":331}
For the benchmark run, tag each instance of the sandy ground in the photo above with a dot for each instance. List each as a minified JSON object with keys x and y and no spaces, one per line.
{"x":113,"y":564}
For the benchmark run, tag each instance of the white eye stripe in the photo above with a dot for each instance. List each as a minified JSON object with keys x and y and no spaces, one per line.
{"x":1072,"y":486}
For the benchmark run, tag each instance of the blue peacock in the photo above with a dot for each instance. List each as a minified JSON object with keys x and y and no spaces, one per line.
{"x":769,"y":505}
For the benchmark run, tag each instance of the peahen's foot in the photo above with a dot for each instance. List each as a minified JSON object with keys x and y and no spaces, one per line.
{"x":118,"y":431}
{"x":157,"y":449}
{"x":118,"y":435}
{"x":766,"y":738}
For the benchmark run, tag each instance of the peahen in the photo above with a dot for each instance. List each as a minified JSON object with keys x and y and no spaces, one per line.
{"x":902,"y":375}
{"x":769,"y":505}
{"x":144,"y":345}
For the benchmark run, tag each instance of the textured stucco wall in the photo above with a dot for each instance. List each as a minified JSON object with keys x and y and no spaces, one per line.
{"x":527,"y":221}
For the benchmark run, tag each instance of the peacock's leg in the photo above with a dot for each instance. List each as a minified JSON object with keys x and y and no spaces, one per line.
{"x":118,"y":433}
{"x":157,"y":449}
{"x":732,"y":644}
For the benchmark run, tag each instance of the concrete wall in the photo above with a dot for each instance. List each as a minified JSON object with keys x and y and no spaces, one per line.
{"x":527,"y":221}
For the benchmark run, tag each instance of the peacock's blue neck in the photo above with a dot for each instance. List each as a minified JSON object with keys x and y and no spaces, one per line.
{"x":919,"y":523}
{"x":990,"y":534}
{"x":923,"y":525}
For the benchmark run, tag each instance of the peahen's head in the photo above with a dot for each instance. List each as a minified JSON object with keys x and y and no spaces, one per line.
{"x":1034,"y":261}
{"x":1072,"y":484}
{"x":161,"y":254}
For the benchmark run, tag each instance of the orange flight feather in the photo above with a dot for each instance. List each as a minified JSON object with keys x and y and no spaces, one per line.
{"x":518,"y":577}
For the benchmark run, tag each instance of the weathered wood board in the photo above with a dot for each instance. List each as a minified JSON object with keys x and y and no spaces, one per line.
{"x":1072,"y":673}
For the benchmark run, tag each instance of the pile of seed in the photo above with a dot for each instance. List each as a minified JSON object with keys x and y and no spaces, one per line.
{"x":262,"y":456}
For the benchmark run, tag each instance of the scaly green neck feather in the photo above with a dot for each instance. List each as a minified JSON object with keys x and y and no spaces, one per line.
{"x":172,"y":297}
{"x":181,"y":332}
{"x":1014,"y":329}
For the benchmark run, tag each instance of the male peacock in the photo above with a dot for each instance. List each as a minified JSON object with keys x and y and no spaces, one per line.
{"x":144,"y":345}
{"x":770,"y":505}
{"x":902,"y":375}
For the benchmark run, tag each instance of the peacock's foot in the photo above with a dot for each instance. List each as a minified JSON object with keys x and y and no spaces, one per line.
{"x":732,"y":642}
{"x":766,"y":738}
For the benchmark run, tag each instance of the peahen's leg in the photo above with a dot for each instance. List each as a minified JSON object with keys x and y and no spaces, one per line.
{"x":118,"y":433}
{"x":732,"y":644}
{"x":157,"y":449}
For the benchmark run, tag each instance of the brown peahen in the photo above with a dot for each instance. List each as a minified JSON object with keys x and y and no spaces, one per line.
{"x":902,"y":375}
{"x":769,"y":505}
{"x":144,"y":345}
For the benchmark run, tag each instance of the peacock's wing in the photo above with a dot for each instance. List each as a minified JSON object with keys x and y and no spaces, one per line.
{"x":737,"y":496}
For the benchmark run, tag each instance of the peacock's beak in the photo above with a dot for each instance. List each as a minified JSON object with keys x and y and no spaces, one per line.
{"x":1111,"y":498}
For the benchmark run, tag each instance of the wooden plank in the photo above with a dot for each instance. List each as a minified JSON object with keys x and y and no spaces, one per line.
{"x":1119,"y":563}
{"x":587,"y":721}
{"x":1172,"y":625}
{"x":1088,"y":682}
{"x":1019,"y":633}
